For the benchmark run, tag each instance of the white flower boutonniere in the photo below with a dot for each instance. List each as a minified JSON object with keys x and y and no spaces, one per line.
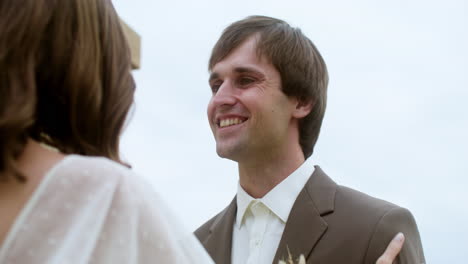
{"x":290,"y":260}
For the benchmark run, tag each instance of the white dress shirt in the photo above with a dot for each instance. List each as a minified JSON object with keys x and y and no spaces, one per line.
{"x":260,"y":223}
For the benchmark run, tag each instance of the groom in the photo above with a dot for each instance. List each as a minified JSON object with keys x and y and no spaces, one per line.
{"x":269,"y":86}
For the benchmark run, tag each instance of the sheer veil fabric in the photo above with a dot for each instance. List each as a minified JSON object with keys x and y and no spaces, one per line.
{"x":93,"y":210}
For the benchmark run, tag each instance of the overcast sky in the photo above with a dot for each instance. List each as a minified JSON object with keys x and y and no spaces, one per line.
{"x":396,"y":125}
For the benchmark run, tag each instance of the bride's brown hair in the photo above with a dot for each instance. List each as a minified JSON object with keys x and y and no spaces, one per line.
{"x":65,"y":78}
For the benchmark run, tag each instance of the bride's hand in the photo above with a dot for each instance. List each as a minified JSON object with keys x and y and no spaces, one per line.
{"x":392,"y":250}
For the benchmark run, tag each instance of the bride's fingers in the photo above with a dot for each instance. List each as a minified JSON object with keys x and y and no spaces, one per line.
{"x":392,"y":250}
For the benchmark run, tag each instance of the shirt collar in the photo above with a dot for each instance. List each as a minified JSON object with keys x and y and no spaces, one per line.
{"x":281,"y":198}
{"x":243,"y":202}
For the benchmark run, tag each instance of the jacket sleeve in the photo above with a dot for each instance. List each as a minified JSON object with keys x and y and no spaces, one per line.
{"x":393,"y":221}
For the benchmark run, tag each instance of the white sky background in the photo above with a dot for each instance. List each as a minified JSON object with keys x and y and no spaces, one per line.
{"x":397,"y":119}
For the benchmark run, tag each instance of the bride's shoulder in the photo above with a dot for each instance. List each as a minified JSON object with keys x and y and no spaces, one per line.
{"x":90,"y":164}
{"x":128,"y":190}
{"x":101,"y":177}
{"x":96,"y":171}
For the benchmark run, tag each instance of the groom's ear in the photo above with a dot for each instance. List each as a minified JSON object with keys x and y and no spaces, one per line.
{"x":303,"y":107}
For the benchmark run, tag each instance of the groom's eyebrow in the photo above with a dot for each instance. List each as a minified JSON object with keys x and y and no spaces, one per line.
{"x":215,"y":75}
{"x":247,"y":70}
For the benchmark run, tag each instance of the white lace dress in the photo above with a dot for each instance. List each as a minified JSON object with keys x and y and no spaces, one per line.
{"x":93,"y":210}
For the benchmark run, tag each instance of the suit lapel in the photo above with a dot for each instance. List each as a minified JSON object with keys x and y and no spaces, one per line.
{"x":305,"y":225}
{"x":219,"y":242}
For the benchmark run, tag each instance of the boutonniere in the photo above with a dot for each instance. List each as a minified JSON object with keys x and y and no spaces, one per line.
{"x":290,"y":260}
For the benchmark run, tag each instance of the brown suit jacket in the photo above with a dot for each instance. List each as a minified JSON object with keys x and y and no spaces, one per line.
{"x":329,"y":224}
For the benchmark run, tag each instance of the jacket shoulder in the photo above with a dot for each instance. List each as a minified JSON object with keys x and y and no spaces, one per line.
{"x":379,"y":221}
{"x":361,"y":201}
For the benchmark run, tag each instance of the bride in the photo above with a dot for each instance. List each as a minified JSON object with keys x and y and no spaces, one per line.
{"x":65,"y":194}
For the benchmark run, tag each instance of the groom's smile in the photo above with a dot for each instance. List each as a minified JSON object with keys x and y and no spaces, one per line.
{"x":224,"y":122}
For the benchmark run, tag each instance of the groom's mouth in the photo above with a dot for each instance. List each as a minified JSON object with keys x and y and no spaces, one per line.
{"x":232,"y":121}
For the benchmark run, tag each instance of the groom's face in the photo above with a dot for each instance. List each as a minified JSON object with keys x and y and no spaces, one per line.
{"x":248,"y":113}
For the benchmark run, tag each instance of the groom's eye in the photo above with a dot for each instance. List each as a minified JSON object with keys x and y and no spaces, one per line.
{"x":215,"y":86}
{"x":244,"y":81}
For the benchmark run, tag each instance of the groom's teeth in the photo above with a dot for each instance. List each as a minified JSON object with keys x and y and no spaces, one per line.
{"x":230,"y":122}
